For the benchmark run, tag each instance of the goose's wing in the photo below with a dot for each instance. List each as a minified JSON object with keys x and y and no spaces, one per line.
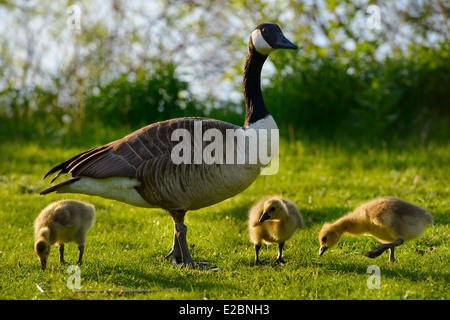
{"x":122,"y":158}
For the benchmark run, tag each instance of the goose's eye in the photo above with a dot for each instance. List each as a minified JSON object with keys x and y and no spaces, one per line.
{"x":265,"y":30}
{"x":324,"y":239}
{"x":272,"y":209}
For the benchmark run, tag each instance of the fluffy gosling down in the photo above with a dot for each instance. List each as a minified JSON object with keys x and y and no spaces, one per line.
{"x":273,"y":220}
{"x":60,"y":222}
{"x":390,"y":220}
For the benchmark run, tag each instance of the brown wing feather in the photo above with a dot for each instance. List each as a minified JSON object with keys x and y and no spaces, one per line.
{"x":122,"y":158}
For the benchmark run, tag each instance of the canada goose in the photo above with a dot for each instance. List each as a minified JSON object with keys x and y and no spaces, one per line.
{"x":273,"y":220}
{"x":390,"y":220}
{"x":139,"y":170}
{"x":60,"y":222}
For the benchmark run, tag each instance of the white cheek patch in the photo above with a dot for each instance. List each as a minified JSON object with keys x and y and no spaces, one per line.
{"x":260,"y":44}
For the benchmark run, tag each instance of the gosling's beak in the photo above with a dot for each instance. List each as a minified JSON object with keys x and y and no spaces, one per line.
{"x":43,"y":264}
{"x":283,"y":43}
{"x":322,"y":250}
{"x":264,"y":217}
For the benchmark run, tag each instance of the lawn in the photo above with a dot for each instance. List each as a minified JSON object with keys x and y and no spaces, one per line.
{"x":125,"y":248}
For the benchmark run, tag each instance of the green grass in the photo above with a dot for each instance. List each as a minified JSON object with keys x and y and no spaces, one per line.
{"x":126,"y":246}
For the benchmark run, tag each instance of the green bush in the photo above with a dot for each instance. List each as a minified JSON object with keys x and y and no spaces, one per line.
{"x":126,"y":103}
{"x":347,"y":96}
{"x":326,"y":97}
{"x":143,"y":97}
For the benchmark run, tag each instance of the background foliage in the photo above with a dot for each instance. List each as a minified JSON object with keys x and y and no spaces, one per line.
{"x":134,"y":64}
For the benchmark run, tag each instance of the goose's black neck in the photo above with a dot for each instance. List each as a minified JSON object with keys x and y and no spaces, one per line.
{"x":251,"y":82}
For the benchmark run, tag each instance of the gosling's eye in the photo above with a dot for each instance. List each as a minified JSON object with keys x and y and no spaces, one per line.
{"x":324,"y":239}
{"x":265,"y":30}
{"x":272,"y":209}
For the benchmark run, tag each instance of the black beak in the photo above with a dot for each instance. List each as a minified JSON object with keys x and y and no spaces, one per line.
{"x":43,"y":264}
{"x":283,"y":43}
{"x":322,"y":250}
{"x":265,"y":216}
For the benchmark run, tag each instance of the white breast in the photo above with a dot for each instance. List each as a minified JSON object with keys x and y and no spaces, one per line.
{"x":268,"y":139}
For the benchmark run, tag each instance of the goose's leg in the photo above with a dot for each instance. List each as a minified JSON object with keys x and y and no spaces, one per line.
{"x":61,"y":253}
{"x":180,"y":250}
{"x":382,"y":248}
{"x":279,"y":259}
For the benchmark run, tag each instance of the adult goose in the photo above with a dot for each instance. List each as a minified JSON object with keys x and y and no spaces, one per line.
{"x":144,"y":168}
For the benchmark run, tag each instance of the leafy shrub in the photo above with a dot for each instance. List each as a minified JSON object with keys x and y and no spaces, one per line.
{"x":351,"y":97}
{"x":143,"y":97}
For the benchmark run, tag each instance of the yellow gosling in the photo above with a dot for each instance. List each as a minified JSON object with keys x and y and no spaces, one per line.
{"x":60,"y":222}
{"x":273,"y":220}
{"x":390,"y":220}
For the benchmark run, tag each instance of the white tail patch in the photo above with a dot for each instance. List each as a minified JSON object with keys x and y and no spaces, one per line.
{"x":116,"y":188}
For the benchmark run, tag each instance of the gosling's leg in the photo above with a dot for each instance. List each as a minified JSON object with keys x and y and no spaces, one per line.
{"x":391,"y":254}
{"x":382,"y":248}
{"x":257,"y":247}
{"x":61,"y":253}
{"x":279,"y":259}
{"x":80,"y":254}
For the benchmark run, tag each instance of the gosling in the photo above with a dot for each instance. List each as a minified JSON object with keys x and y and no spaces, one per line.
{"x":273,"y":220}
{"x":390,"y":220}
{"x":60,"y":222}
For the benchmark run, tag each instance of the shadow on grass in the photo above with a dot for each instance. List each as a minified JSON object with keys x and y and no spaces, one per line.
{"x":393,"y":270}
{"x":159,"y":276}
